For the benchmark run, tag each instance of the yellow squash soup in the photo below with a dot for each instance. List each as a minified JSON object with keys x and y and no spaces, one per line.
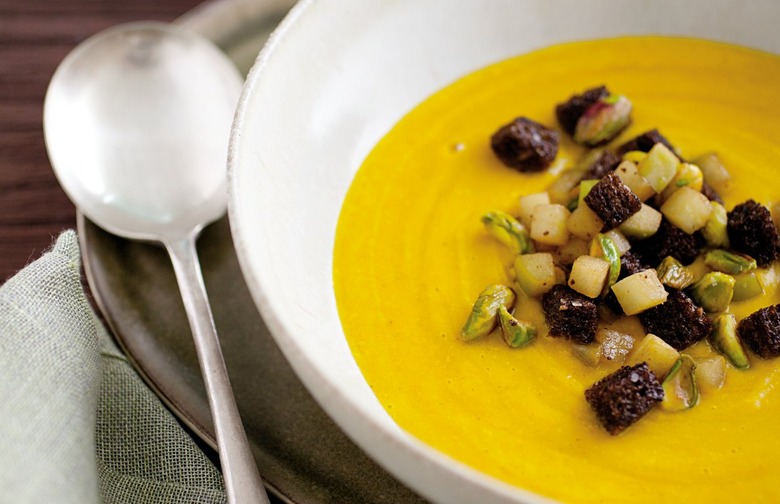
{"x":411,"y":256}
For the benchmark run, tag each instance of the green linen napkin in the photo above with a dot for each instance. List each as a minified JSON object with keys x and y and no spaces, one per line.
{"x":77,"y":424}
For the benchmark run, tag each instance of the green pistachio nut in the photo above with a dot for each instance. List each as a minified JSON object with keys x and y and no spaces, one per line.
{"x":747,"y":286}
{"x":729,"y":262}
{"x":673,"y":274}
{"x":612,"y":255}
{"x":715,"y":231}
{"x":680,"y":389}
{"x":516,"y":333}
{"x":603,"y":120}
{"x":508,"y":231}
{"x":484,"y":313}
{"x":725,"y":340}
{"x":713,"y":291}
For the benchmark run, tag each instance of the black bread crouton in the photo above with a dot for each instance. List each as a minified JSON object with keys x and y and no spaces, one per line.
{"x":677,"y":321}
{"x":669,"y":240}
{"x":631,"y":264}
{"x":645,"y":142}
{"x":612,"y":201}
{"x":570,"y":111}
{"x":525,"y":145}
{"x":603,"y":166}
{"x":570,"y":315}
{"x":623,"y":397}
{"x":752,"y":232}
{"x":761,"y":332}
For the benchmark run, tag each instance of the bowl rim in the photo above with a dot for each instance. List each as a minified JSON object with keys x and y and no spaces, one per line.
{"x":469,"y":484}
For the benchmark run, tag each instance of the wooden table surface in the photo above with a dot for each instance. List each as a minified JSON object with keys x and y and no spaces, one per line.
{"x":34,"y":37}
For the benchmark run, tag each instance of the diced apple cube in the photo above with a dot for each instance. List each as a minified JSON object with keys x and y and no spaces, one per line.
{"x":687,"y":209}
{"x":575,"y":247}
{"x":560,"y":189}
{"x":658,"y":354}
{"x":715,"y":174}
{"x":527,"y":204}
{"x":535,"y":274}
{"x":588,"y":275}
{"x":628,"y":173}
{"x":659,"y":167}
{"x":548,"y":224}
{"x":642,"y":224}
{"x":639,"y":292}
{"x":584,"y":223}
{"x":710,"y":373}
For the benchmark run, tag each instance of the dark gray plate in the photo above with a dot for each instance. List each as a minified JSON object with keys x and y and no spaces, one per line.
{"x":302,"y":455}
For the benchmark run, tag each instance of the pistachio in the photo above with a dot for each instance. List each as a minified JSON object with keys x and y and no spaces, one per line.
{"x":715,"y":230}
{"x":747,"y":286}
{"x":611,"y":254}
{"x":484,"y":313}
{"x":673,"y":274}
{"x":680,"y":389}
{"x":729,"y":262}
{"x":516,"y":333}
{"x":725,"y":340}
{"x":508,"y":231}
{"x":588,"y":353}
{"x":603,"y":121}
{"x":713,"y":291}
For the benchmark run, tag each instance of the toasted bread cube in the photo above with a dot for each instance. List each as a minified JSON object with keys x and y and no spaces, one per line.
{"x":584,"y":223}
{"x":658,"y":354}
{"x":752,"y":232}
{"x":639,"y":292}
{"x":625,"y":396}
{"x":535,"y":273}
{"x":528,"y":203}
{"x":760,"y":331}
{"x":642,"y":224}
{"x":612,"y":200}
{"x":588,"y":275}
{"x":659,"y":167}
{"x":628,"y":172}
{"x":548,"y":224}
{"x":570,"y":315}
{"x":687,"y":209}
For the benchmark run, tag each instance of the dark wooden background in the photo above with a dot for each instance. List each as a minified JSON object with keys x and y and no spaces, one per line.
{"x":34,"y":37}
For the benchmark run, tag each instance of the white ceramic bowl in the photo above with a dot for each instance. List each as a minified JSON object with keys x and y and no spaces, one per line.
{"x":333,"y":79}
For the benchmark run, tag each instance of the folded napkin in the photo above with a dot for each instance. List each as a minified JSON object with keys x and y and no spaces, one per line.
{"x":77,"y":424}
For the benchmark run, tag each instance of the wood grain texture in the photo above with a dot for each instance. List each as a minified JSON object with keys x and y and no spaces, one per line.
{"x":34,"y":37}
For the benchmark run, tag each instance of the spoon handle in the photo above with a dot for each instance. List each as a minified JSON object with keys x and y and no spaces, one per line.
{"x":242,"y":481}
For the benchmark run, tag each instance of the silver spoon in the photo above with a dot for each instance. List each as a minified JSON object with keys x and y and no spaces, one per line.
{"x":136,"y":122}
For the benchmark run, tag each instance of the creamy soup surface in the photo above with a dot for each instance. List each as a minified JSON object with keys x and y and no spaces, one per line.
{"x":411,"y":256}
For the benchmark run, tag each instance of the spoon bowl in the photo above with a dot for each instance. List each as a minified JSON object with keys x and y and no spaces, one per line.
{"x":137,"y":122}
{"x":137,"y":130}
